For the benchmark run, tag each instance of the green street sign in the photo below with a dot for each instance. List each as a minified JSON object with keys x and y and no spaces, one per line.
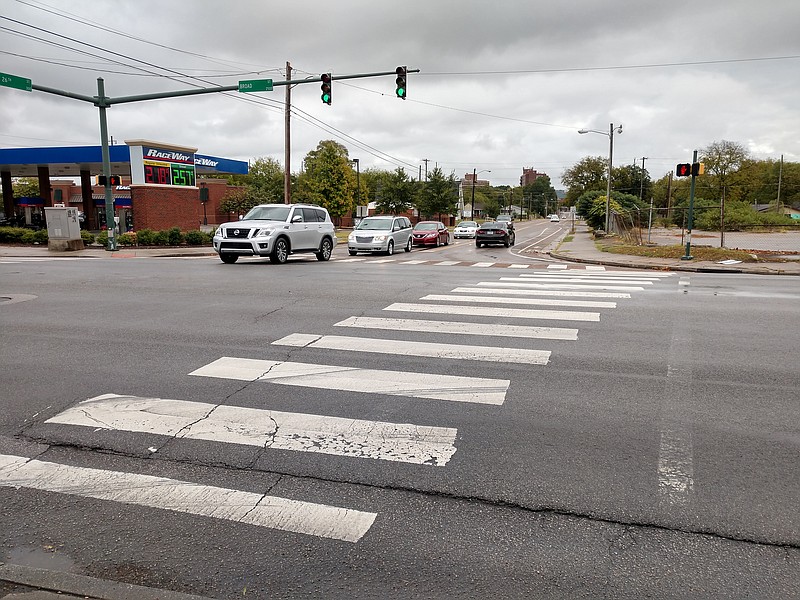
{"x":256,"y":85}
{"x":21,"y":83}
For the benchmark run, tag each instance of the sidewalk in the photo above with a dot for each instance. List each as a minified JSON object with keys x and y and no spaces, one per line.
{"x":582,"y":249}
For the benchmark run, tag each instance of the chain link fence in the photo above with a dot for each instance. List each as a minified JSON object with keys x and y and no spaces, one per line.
{"x":667,"y":227}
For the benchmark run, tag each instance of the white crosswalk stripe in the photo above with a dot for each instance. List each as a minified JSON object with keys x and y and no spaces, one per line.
{"x":460,"y":328}
{"x":582,"y":279}
{"x":526,"y":301}
{"x":429,"y":349}
{"x":182,"y":496}
{"x":516,"y":282}
{"x":352,"y":379}
{"x":508,"y":291}
{"x":485,"y":311}
{"x":277,"y":430}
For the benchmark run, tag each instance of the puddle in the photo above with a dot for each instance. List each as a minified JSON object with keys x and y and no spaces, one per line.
{"x":47,"y":557}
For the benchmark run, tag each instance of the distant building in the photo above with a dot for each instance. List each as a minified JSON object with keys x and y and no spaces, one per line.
{"x":529,"y":175}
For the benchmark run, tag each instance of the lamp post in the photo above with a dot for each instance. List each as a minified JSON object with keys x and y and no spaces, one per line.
{"x":610,"y":135}
{"x":474,"y":176}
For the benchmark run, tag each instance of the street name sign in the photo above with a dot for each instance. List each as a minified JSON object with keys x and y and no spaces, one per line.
{"x":20,"y":83}
{"x":256,"y":85}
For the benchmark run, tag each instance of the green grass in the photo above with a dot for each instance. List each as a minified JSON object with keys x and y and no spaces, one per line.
{"x":676,"y":252}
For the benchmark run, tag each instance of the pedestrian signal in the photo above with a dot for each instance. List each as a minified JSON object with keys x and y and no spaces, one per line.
{"x":683,"y":170}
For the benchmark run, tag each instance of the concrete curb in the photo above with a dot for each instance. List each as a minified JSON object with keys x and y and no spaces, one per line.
{"x":84,"y":586}
{"x":670,"y":267}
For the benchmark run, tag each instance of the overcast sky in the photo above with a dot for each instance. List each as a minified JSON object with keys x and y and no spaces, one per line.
{"x":502,"y":85}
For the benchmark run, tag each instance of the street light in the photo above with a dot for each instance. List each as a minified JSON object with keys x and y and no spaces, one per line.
{"x":610,"y":134}
{"x":474,"y":176}
{"x":358,"y":186}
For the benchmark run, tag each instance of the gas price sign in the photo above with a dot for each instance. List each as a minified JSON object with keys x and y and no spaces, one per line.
{"x":162,"y":165}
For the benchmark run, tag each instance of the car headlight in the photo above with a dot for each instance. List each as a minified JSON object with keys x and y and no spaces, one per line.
{"x":379,"y":238}
{"x":218,"y":232}
{"x":264,"y":233}
{"x":351,"y":237}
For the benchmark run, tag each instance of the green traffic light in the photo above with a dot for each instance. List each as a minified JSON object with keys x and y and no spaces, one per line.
{"x":401,"y":92}
{"x":326,"y":98}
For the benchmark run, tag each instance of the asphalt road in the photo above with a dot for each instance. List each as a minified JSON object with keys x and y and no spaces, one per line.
{"x":654,"y":454}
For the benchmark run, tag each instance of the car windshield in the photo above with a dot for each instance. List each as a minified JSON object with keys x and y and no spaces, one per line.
{"x":468,"y":224}
{"x":503,"y":218}
{"x":493,"y":225}
{"x":268,"y":213}
{"x":379,"y":224}
{"x":425,"y":227}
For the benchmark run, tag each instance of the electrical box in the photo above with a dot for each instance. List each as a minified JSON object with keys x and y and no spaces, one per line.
{"x":63,"y":228}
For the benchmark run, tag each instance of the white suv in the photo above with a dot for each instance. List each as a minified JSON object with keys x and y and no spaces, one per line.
{"x":277,"y":230}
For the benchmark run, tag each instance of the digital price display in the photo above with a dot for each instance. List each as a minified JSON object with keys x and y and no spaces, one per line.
{"x":164,"y":173}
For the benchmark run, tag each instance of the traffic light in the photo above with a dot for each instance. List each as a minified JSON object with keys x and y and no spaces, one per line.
{"x":401,"y":82}
{"x":698,"y":168}
{"x":683,"y":170}
{"x":112,"y":180}
{"x":326,"y":88}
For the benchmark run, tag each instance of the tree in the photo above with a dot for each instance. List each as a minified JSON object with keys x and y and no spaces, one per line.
{"x":439,"y":195}
{"x":541,"y":195}
{"x":590,"y":173}
{"x":25,"y":187}
{"x":238,"y":202}
{"x":594,"y":210}
{"x":328,"y":179}
{"x":722,"y":160}
{"x":396,"y":194}
{"x":633,"y":180}
{"x":265,"y":180}
{"x":491,"y":207}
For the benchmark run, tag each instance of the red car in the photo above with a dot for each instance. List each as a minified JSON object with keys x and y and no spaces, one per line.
{"x":431,"y":233}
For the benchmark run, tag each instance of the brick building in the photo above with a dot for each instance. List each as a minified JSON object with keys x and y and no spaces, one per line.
{"x":529,"y":175}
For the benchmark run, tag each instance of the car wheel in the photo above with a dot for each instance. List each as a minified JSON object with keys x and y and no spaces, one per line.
{"x":228,"y":258}
{"x":506,"y":243}
{"x":408,"y":245}
{"x":437,"y":242}
{"x":447,"y":241}
{"x":325,"y":250}
{"x":352,"y":252}
{"x":477,"y":244}
{"x":280,"y":253}
{"x":390,"y":248}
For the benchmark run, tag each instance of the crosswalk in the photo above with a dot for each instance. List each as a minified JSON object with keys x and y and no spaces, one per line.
{"x":544,"y":306}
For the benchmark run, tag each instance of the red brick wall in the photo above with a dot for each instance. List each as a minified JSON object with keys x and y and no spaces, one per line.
{"x":160,"y":208}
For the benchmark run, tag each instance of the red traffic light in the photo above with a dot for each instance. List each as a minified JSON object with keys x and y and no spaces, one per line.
{"x":326,"y":88}
{"x":684,"y":170}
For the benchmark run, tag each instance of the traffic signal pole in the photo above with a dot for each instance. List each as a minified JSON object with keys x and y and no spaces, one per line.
{"x":689,"y":221}
{"x":102,"y":102}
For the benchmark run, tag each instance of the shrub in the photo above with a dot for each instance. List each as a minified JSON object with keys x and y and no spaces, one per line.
{"x":12,"y":235}
{"x":34,"y":237}
{"x":127,"y":239}
{"x":145,"y":237}
{"x":87,"y":237}
{"x":161,"y":238}
{"x":102,"y":238}
{"x":174,"y":236}
{"x":197,"y":238}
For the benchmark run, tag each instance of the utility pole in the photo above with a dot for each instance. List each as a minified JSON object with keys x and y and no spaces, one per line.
{"x":425,"y":160}
{"x":287,"y":140}
{"x":688,"y":255}
{"x":641,"y":180}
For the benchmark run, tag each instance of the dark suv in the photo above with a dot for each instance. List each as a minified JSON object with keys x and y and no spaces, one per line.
{"x":277,"y":230}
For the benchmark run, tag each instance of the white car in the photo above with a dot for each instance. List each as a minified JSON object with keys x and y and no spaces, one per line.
{"x":277,"y":230}
{"x":465,"y":229}
{"x":554,"y":219}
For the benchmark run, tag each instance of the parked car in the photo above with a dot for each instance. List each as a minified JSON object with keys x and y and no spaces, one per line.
{"x":495,"y":232}
{"x":554,"y":219}
{"x":431,"y":233}
{"x":277,"y":230}
{"x":380,"y":234}
{"x":465,"y":229}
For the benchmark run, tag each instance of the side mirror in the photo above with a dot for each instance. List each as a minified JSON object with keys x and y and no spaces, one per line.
{"x":297,"y":219}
